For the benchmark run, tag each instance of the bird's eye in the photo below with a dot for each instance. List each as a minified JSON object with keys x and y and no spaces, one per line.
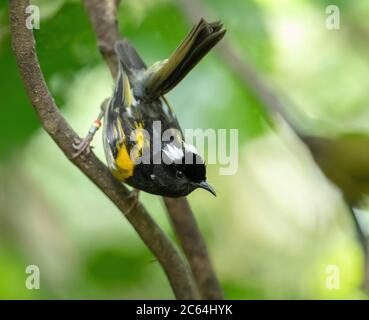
{"x":179,"y":174}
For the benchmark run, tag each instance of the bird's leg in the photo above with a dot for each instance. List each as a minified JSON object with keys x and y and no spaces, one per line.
{"x":83,"y":145}
{"x":134,"y":195}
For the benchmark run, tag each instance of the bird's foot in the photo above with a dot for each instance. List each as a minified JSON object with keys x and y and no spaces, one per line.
{"x":83,"y":146}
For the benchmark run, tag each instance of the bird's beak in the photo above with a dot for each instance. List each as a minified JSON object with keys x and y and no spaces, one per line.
{"x":206,"y":186}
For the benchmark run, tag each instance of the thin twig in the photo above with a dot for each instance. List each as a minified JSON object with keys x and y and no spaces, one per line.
{"x":104,"y":23}
{"x":23,"y":43}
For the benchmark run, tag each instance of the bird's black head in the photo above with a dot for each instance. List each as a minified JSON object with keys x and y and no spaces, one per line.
{"x":180,"y":172}
{"x":184,"y":175}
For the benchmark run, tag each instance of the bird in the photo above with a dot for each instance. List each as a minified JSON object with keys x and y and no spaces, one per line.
{"x":138,"y":116}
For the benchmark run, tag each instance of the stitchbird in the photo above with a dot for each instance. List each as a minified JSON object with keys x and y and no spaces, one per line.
{"x":138,"y":116}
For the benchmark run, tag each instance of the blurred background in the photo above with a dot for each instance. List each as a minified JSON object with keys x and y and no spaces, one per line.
{"x":276,"y":226}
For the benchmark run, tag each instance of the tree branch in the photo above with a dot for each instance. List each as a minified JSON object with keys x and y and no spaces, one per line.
{"x":56,"y":126}
{"x":103,"y":17}
{"x":194,"y":247}
{"x":104,"y":22}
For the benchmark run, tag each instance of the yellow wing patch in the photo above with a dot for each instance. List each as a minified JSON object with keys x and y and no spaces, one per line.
{"x":125,"y":165}
{"x":125,"y":162}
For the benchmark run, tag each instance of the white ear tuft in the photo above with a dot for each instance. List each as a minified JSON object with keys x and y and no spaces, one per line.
{"x":173,"y":152}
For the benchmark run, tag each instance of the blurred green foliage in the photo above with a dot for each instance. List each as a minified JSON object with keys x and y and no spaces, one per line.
{"x":276,"y":225}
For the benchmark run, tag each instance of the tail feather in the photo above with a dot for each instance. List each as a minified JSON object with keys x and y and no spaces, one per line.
{"x":199,"y":41}
{"x":128,"y":56}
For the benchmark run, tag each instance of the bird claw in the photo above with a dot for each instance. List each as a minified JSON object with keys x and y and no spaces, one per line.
{"x":81,"y":146}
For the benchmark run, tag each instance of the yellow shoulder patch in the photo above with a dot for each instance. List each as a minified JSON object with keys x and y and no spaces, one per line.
{"x":125,"y":165}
